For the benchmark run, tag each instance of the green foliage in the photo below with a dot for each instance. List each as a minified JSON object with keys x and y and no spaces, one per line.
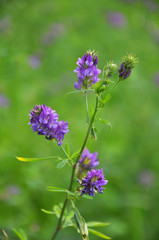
{"x":68,"y":220}
{"x":105,"y":122}
{"x":56,"y":189}
{"x":97,"y":224}
{"x":47,"y":212}
{"x":62,"y":163}
{"x":80,"y":223}
{"x":99,"y":234}
{"x":20,"y":233}
{"x":103,"y":100}
{"x":67,"y":149}
{"x":35,"y":159}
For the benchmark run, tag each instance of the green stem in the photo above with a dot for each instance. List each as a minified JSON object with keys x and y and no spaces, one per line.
{"x":64,"y":151}
{"x":59,"y":225}
{"x":113,"y":86}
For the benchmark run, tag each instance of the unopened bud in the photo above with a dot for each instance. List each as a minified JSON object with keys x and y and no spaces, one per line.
{"x":129,"y":62}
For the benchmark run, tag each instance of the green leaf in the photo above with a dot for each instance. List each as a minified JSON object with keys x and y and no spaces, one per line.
{"x":107,"y":98}
{"x":105,"y":122}
{"x":83,"y":90}
{"x":80,"y":222}
{"x":94,"y":133}
{"x":67,"y":149}
{"x":97,"y":224}
{"x":20,"y":233}
{"x":48,"y":212}
{"x":62,"y":163}
{"x":35,"y":159}
{"x":57,"y":210}
{"x":71,"y":193}
{"x":56,"y":189}
{"x":74,"y":155}
{"x":68,"y":224}
{"x":70,"y":215}
{"x":68,"y":220}
{"x":98,"y":234}
{"x":87,"y":196}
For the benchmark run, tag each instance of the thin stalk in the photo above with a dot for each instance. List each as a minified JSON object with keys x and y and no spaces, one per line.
{"x":113,"y":86}
{"x":64,"y":151}
{"x":59,"y":226}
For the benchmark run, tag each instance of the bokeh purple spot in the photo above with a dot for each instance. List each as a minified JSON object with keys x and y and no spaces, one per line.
{"x":4,"y":101}
{"x":34,"y":60}
{"x":151,"y":5}
{"x":4,"y":24}
{"x":156,"y":78}
{"x":116,"y":19}
{"x":146,"y":178}
{"x":54,"y":31}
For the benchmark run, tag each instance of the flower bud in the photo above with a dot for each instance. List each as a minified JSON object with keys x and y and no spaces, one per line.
{"x":108,"y":70}
{"x":129,"y":62}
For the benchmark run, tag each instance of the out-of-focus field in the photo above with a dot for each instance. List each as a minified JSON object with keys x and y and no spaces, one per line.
{"x":40,"y":42}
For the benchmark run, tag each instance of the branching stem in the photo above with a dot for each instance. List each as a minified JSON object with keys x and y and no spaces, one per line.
{"x":59,"y":225}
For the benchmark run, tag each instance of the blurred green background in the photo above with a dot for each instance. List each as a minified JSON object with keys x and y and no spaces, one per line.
{"x":40,"y":42}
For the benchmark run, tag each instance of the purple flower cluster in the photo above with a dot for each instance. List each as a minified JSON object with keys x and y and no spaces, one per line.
{"x":87,"y":71}
{"x":44,"y":120}
{"x":88,"y":160}
{"x":93,"y":182}
{"x":124,"y":71}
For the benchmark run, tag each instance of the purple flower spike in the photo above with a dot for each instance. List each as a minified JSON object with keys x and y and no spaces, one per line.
{"x":87,"y":71}
{"x":128,"y":63}
{"x":88,"y":160}
{"x":93,"y":182}
{"x":44,"y":121}
{"x":124,"y":71}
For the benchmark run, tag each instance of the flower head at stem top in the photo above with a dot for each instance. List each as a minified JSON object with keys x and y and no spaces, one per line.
{"x":128,"y":63}
{"x":44,"y":121}
{"x":93,"y":182}
{"x":87,"y":71}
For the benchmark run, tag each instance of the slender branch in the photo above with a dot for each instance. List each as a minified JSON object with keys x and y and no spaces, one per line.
{"x":113,"y":86}
{"x":64,"y":151}
{"x":58,"y":228}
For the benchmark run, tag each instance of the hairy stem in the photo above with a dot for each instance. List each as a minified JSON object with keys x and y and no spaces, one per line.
{"x":59,"y":225}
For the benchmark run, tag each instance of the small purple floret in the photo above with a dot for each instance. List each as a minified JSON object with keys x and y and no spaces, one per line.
{"x":93,"y":182}
{"x":88,"y":160}
{"x":124,"y":71}
{"x":87,"y":71}
{"x":44,"y":121}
